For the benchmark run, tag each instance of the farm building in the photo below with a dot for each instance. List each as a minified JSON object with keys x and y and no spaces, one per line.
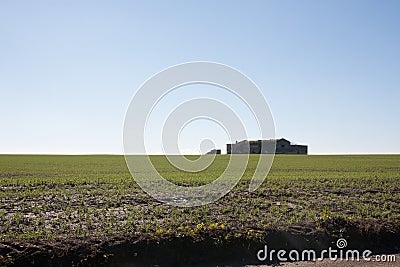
{"x":282,"y":146}
{"x":214,"y":151}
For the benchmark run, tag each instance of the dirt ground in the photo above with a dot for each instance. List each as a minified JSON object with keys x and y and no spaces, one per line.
{"x":340,"y":263}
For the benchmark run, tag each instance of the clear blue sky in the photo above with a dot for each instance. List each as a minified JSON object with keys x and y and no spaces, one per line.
{"x":329,"y":69}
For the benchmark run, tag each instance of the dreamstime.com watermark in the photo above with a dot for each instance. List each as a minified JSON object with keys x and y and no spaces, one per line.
{"x":333,"y":254}
{"x":172,"y":80}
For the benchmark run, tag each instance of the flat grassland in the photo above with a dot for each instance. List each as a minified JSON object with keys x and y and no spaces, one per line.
{"x":50,"y":199}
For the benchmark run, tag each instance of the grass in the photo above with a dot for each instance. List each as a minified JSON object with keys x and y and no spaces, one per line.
{"x":64,"y":197}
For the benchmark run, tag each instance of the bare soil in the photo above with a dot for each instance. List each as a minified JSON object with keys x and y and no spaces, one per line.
{"x":189,"y":251}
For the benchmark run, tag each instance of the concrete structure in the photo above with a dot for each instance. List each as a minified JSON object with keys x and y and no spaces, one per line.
{"x":214,"y":151}
{"x":282,"y":146}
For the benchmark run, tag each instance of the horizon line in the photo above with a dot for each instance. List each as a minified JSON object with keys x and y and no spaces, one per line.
{"x":158,"y":154}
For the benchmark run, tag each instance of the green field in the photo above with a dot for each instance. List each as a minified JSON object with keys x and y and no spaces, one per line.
{"x":76,"y":197}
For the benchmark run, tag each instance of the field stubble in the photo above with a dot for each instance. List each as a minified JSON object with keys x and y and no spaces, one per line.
{"x":54,"y":199}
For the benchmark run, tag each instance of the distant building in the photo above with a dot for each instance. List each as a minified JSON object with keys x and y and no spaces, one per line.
{"x":282,"y":146}
{"x":214,"y":151}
